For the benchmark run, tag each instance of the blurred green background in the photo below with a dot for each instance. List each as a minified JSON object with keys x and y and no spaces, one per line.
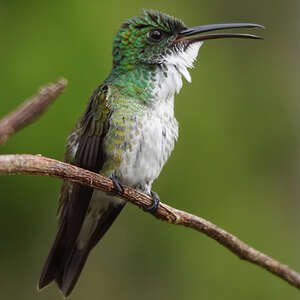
{"x":236,"y":162}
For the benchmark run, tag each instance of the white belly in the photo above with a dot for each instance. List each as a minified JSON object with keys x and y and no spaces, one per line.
{"x":151,"y":147}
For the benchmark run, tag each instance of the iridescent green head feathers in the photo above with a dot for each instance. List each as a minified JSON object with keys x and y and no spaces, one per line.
{"x":154,"y":36}
{"x":146,"y":39}
{"x":154,"y":47}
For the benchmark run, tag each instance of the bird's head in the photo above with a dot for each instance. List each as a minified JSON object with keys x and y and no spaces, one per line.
{"x":156,"y":38}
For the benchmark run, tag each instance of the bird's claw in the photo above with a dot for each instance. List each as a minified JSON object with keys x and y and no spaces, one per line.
{"x":118,"y":188}
{"x":152,"y":208}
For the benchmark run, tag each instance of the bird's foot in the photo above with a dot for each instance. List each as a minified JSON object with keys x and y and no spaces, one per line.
{"x":152,"y":208}
{"x":118,"y":188}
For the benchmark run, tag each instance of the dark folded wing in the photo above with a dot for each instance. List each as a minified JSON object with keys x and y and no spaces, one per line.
{"x":92,"y":129}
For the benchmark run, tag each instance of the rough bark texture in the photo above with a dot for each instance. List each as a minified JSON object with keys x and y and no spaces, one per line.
{"x":43,"y":166}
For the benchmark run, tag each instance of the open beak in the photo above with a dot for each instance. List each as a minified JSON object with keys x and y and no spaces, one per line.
{"x":192,"y":34}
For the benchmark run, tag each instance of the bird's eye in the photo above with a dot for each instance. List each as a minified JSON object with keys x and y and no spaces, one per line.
{"x":155,"y":35}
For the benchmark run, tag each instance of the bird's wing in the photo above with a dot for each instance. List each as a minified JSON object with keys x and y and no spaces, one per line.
{"x":85,"y":149}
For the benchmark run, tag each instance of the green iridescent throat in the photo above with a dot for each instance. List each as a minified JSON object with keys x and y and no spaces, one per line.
{"x":137,"y":83}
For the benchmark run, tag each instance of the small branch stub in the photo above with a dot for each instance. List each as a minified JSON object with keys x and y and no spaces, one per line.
{"x":31,"y":110}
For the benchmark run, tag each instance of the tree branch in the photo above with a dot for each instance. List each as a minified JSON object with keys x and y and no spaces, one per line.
{"x":43,"y":166}
{"x":29,"y":112}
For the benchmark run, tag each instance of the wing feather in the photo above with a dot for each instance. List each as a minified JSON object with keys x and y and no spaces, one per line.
{"x":85,"y":150}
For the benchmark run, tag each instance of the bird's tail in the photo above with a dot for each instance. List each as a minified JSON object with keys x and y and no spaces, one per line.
{"x":65,"y":261}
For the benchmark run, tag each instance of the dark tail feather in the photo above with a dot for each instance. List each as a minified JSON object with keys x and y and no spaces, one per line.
{"x":53,"y":262}
{"x":77,"y":259}
{"x":73,"y":270}
{"x":65,"y":268}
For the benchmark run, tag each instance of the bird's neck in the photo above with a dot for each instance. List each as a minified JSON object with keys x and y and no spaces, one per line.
{"x":135,"y":81}
{"x":150,"y":83}
{"x":147,"y":83}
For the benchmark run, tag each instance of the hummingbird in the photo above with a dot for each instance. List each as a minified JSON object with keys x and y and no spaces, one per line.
{"x":126,"y":133}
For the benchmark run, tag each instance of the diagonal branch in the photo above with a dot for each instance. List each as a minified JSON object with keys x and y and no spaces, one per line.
{"x":43,"y":166}
{"x":29,"y":112}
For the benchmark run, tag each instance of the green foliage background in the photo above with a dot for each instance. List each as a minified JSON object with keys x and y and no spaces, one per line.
{"x":236,"y":162}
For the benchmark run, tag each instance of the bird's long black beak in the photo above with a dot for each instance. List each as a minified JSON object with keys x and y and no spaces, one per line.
{"x":192,"y":34}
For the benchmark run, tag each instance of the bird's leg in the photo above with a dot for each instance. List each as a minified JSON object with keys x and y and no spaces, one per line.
{"x":118,"y":188}
{"x":152,"y":208}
